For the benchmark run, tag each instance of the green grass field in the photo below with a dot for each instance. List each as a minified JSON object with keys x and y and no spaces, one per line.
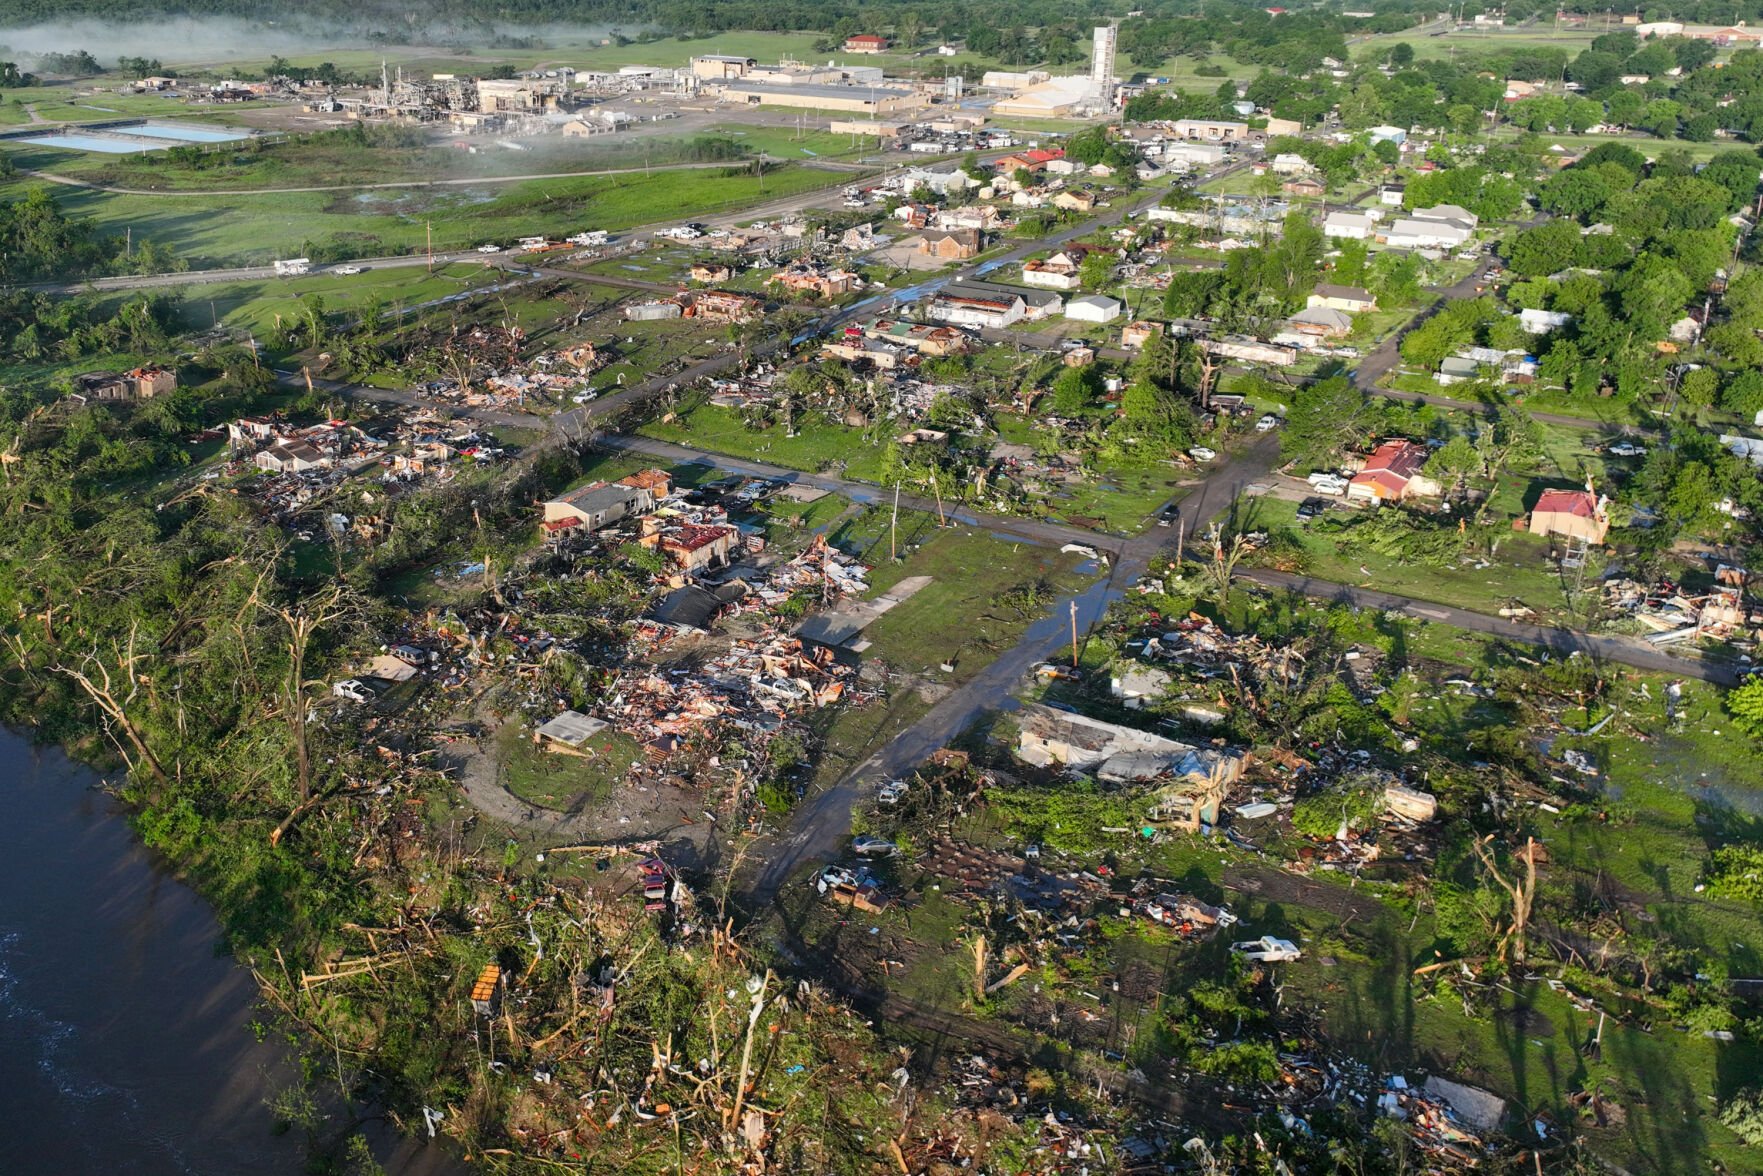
{"x":253,"y":306}
{"x":1647,"y":145}
{"x":1521,"y":571}
{"x":788,"y":143}
{"x":1430,"y":45}
{"x":575,"y":52}
{"x":253,"y":228}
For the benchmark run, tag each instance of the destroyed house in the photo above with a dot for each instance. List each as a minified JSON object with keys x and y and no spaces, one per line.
{"x":597,"y":505}
{"x":1118,"y":754}
{"x":291,"y":457}
{"x":143,"y":383}
{"x":695,"y":548}
{"x":694,"y":607}
{"x":721,"y":306}
{"x":657,"y":482}
{"x":921,"y":337}
{"x":819,"y":282}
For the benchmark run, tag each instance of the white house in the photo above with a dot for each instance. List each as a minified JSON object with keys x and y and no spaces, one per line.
{"x":1351,"y":299}
{"x":1194,"y":154}
{"x":1094,"y":308}
{"x":1418,"y":233}
{"x":1454,"y":213}
{"x":1352,"y":226}
{"x":1288,"y":164}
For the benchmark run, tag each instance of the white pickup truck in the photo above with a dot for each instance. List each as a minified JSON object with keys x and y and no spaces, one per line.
{"x":1267,"y":949}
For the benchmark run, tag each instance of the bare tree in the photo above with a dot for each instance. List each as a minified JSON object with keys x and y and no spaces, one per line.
{"x":1521,"y":892}
{"x":94,"y":677}
{"x":304,"y":620}
{"x":1227,"y":552}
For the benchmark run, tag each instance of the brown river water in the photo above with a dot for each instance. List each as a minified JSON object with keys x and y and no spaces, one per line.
{"x":125,"y":1039}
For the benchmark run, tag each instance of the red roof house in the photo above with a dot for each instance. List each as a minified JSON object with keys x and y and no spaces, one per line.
{"x":1574,"y":514}
{"x":1392,"y":473}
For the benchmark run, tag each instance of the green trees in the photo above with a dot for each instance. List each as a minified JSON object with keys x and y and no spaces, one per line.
{"x":1745,"y":704}
{"x":1455,"y":326}
{"x":1096,"y":270}
{"x":1545,"y":249}
{"x":1326,"y":419}
{"x":1076,"y":390}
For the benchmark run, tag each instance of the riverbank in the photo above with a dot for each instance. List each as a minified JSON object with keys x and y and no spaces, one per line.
{"x":128,"y":1041}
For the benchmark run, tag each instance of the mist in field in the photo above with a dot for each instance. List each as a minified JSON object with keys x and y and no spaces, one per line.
{"x":185,"y":41}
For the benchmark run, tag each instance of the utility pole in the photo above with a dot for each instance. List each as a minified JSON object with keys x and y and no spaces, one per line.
{"x":429,"y":227}
{"x":1074,"y":634}
{"x":894,"y":527}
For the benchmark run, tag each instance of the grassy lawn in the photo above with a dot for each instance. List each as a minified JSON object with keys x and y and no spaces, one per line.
{"x":1183,"y":74}
{"x":788,"y":143}
{"x":984,"y":592}
{"x":61,"y":106}
{"x":332,"y":161}
{"x":1614,"y":412}
{"x":1113,"y":499}
{"x":253,"y":306}
{"x":819,"y":446}
{"x":1117,"y":499}
{"x":1447,"y":45}
{"x":247,"y":227}
{"x":1646,"y":144}
{"x":560,"y":781}
{"x":1521,"y":570}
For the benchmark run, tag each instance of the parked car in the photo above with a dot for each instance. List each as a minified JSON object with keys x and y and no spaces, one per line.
{"x":1267,"y":949}
{"x":1310,"y":508}
{"x":1267,"y":423}
{"x":1201,"y":453}
{"x":891,"y":793}
{"x":347,"y":269}
{"x":489,"y":247}
{"x":1327,"y":483}
{"x":1168,"y":515}
{"x":874,"y":846}
{"x":352,"y":690}
{"x":1628,"y":449}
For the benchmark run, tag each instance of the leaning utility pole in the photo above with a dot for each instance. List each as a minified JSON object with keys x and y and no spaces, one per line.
{"x":1074,"y":634}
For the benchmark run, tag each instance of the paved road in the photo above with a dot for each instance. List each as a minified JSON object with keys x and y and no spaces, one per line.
{"x":1627,"y":651}
{"x":1382,"y":359}
{"x":1040,"y":531}
{"x":74,"y":182}
{"x":821,"y":824}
